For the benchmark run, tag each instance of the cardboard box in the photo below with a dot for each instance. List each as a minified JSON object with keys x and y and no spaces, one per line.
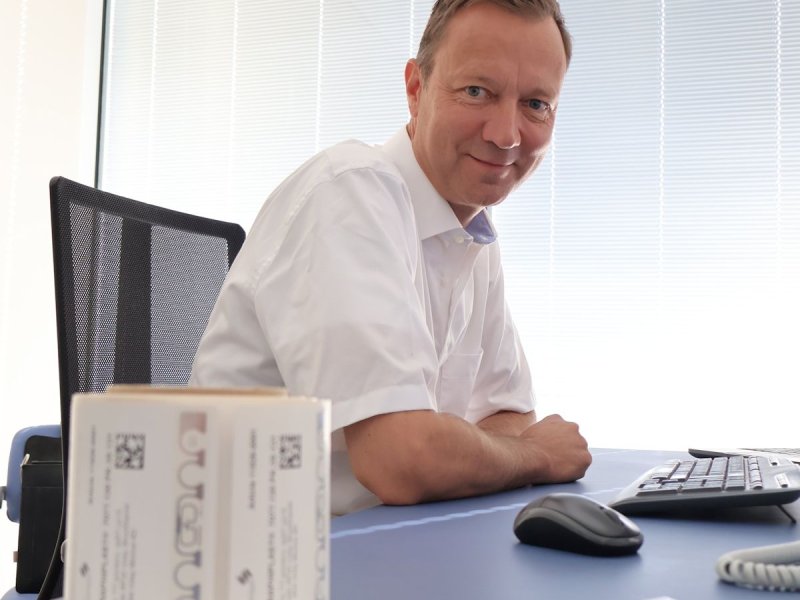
{"x":178,"y":493}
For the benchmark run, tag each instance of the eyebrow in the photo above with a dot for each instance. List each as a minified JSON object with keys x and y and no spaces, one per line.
{"x":537,"y":90}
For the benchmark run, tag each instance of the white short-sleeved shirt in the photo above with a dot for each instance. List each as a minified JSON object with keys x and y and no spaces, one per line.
{"x":357,"y":283}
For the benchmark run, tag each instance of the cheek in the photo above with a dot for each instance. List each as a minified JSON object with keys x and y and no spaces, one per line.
{"x":459,"y":122}
{"x":536,"y":141}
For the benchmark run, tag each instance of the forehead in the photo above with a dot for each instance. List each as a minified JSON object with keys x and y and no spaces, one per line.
{"x":495,"y":41}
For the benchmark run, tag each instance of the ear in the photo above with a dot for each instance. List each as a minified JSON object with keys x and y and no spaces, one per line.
{"x":413,"y":86}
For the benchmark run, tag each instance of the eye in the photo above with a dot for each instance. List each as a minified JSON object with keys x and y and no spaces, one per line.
{"x":475,"y":91}
{"x":539,"y":108}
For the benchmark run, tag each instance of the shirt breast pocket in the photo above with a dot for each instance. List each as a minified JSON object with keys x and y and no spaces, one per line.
{"x":457,"y":381}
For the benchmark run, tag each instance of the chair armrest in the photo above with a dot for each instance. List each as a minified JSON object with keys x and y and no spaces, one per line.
{"x":13,"y":487}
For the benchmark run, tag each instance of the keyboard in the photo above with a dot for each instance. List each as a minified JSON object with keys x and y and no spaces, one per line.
{"x":784,"y":451}
{"x":792,"y":454}
{"x":707,"y":483}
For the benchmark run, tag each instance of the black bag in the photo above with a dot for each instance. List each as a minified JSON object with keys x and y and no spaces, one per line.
{"x":41,"y":501}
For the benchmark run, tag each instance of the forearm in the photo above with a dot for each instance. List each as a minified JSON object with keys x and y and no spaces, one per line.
{"x":460,"y":459}
{"x":507,"y":422}
{"x":417,"y":456}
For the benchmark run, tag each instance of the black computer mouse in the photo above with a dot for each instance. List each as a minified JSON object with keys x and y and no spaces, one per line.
{"x":577,"y":524}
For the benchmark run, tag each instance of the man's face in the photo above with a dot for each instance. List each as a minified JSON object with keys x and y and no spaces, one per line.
{"x":477,"y":125}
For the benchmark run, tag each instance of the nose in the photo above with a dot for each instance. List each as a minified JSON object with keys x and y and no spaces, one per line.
{"x":502,"y":126}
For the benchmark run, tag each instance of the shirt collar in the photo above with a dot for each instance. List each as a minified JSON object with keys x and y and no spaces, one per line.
{"x":432,"y":212}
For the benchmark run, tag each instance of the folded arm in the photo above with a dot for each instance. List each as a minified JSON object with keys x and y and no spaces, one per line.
{"x":507,"y":422}
{"x":418,"y":456}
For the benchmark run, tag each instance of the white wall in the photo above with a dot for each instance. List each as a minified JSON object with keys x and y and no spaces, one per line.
{"x":49,"y":77}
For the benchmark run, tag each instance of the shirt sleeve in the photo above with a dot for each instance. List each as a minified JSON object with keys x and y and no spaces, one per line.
{"x":338,"y":302}
{"x":503,"y":382}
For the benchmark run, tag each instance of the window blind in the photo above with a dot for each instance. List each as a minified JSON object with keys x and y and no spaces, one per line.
{"x":653,"y":261}
{"x":209,"y":105}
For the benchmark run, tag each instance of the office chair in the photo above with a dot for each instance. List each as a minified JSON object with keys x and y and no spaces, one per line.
{"x":135,"y":285}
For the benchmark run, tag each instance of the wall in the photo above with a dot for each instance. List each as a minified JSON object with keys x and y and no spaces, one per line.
{"x":49,"y":77}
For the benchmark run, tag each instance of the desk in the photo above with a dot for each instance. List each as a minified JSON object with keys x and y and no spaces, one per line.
{"x":466,"y":549}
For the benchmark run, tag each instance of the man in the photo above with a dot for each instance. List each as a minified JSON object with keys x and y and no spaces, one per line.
{"x":371,"y":276}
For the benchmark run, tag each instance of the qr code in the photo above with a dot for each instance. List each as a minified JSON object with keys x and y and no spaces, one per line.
{"x":129,"y":451}
{"x":291,"y":451}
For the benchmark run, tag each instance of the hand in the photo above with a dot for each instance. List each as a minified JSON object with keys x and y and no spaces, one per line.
{"x":560,"y":448}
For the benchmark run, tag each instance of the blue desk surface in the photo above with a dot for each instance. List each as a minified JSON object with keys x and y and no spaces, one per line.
{"x":466,"y":549}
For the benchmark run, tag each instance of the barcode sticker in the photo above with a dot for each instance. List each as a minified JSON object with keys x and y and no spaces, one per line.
{"x":129,"y":451}
{"x":291,"y":452}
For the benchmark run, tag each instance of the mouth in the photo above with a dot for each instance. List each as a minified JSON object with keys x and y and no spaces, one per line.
{"x":492,"y":164}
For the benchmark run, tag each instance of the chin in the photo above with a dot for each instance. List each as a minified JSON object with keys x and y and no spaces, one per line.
{"x":491,"y":198}
{"x":491,"y":191}
{"x":480,"y":195}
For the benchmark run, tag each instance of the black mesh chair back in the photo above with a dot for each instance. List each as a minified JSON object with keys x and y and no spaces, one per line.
{"x":135,"y":285}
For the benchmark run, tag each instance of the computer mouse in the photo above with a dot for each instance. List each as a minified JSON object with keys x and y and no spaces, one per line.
{"x":577,"y":523}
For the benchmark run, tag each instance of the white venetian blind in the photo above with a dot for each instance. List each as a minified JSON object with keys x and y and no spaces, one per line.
{"x":653,"y":262}
{"x":210,"y":104}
